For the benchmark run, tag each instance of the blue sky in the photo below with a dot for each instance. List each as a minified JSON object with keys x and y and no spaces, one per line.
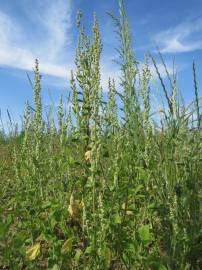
{"x":45,"y":29}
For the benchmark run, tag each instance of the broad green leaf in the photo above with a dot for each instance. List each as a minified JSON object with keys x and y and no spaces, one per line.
{"x":162,"y":267}
{"x":67,"y":246}
{"x":117,"y":219}
{"x":19,"y":240}
{"x":144,"y":233}
{"x":89,"y":250}
{"x":53,"y":223}
{"x":78,"y":255}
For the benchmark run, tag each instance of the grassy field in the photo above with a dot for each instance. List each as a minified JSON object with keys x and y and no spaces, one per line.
{"x":109,"y":184}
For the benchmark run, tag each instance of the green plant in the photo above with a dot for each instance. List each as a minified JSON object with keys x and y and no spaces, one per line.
{"x":106,"y":185}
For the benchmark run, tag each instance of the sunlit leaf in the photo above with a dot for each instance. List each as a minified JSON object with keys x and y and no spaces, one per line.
{"x":162,"y":267}
{"x":32,"y":252}
{"x":89,"y":250}
{"x":67,"y":246}
{"x":78,"y":255}
{"x":73,"y":207}
{"x":144,"y":233}
{"x":55,"y":267}
{"x":88,"y":156}
{"x":117,"y":219}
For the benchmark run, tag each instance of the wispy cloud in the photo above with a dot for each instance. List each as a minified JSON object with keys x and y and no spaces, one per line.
{"x":109,"y":70}
{"x":184,"y":37}
{"x":46,"y":35}
{"x":161,"y":70}
{"x":48,"y":42}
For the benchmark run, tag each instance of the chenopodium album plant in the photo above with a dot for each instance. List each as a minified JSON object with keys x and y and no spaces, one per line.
{"x":107,"y":184}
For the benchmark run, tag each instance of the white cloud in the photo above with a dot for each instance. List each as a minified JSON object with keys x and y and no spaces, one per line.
{"x":50,"y":39}
{"x":113,"y":72}
{"x":18,"y":50}
{"x":181,"y":38}
{"x":161,"y":70}
{"x":109,"y":71}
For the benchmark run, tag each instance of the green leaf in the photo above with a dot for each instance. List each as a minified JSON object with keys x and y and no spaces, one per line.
{"x":3,"y":230}
{"x":46,"y":205}
{"x":19,"y":240}
{"x":53,"y":223}
{"x":117,"y":219}
{"x":55,"y":267}
{"x":58,"y":215}
{"x":9,"y":220}
{"x":107,"y":256}
{"x":162,"y":267}
{"x":144,"y":233}
{"x":67,"y":246}
{"x":89,"y":250}
{"x":78,"y":255}
{"x":137,"y":189}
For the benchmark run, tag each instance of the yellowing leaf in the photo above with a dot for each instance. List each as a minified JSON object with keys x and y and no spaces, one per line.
{"x":73,"y":208}
{"x":9,"y":209}
{"x":129,"y":213}
{"x":67,"y":246}
{"x":55,"y":267}
{"x":32,"y":252}
{"x":81,"y":204}
{"x":43,"y":215}
{"x":88,"y":156}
